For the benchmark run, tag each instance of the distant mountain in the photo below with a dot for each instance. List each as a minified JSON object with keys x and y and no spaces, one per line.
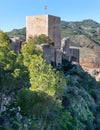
{"x":17,"y":32}
{"x":86,"y":35}
{"x":88,"y":28}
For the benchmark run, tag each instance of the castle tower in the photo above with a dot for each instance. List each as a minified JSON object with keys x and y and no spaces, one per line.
{"x":44,"y":24}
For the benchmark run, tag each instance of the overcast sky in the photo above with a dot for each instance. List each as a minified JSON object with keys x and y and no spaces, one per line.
{"x":13,"y":12}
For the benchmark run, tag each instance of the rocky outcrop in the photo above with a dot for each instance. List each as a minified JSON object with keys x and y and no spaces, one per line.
{"x":83,"y":97}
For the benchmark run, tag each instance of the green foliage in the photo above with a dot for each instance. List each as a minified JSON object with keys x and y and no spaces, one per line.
{"x":28,"y":50}
{"x":41,"y":39}
{"x":6,"y":55}
{"x":39,"y":88}
{"x":3,"y":38}
{"x":40,"y":107}
{"x":34,"y":103}
{"x":14,"y":78}
{"x":44,"y":78}
{"x":44,"y":112}
{"x":7,"y":59}
{"x":13,"y":74}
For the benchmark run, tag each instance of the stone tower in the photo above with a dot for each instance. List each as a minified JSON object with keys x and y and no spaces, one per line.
{"x":44,"y":24}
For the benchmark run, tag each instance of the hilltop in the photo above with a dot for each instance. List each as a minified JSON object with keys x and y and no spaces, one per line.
{"x":37,"y":96}
{"x":85,"y":33}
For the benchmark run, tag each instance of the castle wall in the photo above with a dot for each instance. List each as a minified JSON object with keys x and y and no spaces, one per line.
{"x":74,"y":54}
{"x":46,"y":53}
{"x":54,"y":30}
{"x":53,"y":55}
{"x":58,"y":57}
{"x":65,"y":46}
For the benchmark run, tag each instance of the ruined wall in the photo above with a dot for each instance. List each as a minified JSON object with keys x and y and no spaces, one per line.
{"x":44,"y":24}
{"x":16,"y":44}
{"x":53,"y":55}
{"x":69,"y":53}
{"x":65,"y":46}
{"x":58,"y":57}
{"x":74,"y":54}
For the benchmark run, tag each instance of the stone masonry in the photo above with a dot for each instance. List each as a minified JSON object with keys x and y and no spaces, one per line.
{"x":44,"y":24}
{"x":50,"y":26}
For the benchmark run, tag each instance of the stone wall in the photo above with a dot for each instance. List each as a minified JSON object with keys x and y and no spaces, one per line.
{"x":44,"y":24}
{"x":46,"y":53}
{"x":69,"y":53}
{"x":74,"y":54}
{"x":58,"y":57}
{"x":65,"y":46}
{"x":54,"y":30}
{"x":36,"y":25}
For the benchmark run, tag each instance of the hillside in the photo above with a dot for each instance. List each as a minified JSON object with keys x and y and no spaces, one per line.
{"x":37,"y":96}
{"x":86,"y":36}
{"x":89,"y":28}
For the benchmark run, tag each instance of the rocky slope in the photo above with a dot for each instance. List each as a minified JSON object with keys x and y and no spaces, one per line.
{"x":81,"y":99}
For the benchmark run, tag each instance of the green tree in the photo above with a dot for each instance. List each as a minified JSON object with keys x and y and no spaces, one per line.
{"x":13,"y":74}
{"x":43,"y":111}
{"x":4,"y":38}
{"x":28,"y":50}
{"x":41,"y":39}
{"x":44,"y":77}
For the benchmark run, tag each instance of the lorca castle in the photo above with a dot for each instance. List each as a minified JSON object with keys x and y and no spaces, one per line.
{"x":50,"y":26}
